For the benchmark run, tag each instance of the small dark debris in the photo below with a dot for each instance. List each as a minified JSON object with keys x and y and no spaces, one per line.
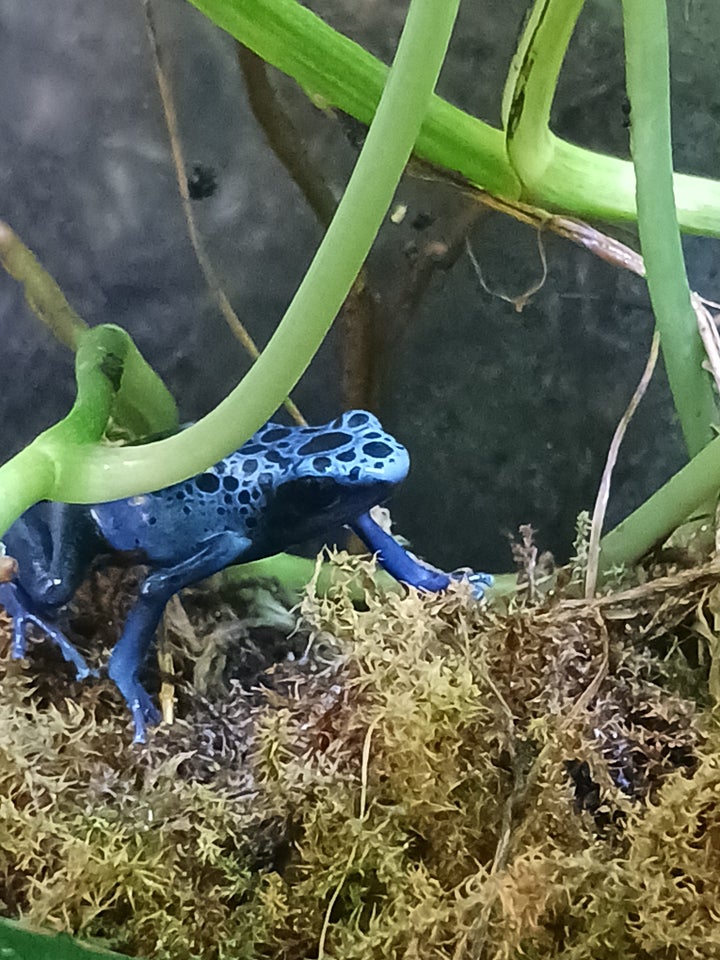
{"x":202,"y":182}
{"x":422,"y":220}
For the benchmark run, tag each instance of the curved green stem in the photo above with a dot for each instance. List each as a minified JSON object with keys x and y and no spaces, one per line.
{"x":559,"y":175}
{"x":115,"y":386}
{"x":93,"y":473}
{"x":295,"y":573}
{"x":24,"y":480}
{"x":648,"y":86}
{"x":530,"y":87}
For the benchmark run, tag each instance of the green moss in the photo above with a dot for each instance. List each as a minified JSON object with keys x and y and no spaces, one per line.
{"x":432,"y":781}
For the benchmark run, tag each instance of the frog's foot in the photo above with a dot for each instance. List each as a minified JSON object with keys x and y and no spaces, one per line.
{"x":478,"y":581}
{"x":407,"y":568}
{"x":143,"y":710}
{"x":18,"y":605}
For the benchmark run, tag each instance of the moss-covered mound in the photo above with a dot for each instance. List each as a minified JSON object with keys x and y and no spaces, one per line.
{"x":432,"y":780}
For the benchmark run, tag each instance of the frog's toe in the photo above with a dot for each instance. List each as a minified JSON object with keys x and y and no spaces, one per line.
{"x":144,"y":714}
{"x":18,"y":606}
{"x":18,"y":650}
{"x":73,"y":656}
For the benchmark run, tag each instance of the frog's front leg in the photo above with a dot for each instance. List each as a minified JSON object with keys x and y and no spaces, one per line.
{"x":53,"y":545}
{"x":404,"y":567}
{"x":129,"y":653}
{"x":19,"y":606}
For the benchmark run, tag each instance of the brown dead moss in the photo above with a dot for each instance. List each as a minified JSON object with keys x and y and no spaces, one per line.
{"x":432,"y":780}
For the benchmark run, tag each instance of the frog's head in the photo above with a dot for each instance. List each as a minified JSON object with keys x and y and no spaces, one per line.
{"x":332,"y":474}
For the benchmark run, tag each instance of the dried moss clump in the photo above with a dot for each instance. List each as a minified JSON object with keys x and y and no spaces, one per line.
{"x":432,"y":781}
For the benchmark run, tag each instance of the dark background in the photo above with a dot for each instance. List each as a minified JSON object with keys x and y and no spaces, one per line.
{"x":507,"y":416}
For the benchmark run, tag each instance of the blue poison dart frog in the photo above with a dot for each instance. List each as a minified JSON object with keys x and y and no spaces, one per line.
{"x":284,"y":486}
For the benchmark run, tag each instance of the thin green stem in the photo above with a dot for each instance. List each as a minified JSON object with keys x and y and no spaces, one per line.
{"x":295,"y":573}
{"x":648,"y":86}
{"x":143,"y":406}
{"x":89,"y":474}
{"x":561,"y":176}
{"x":689,"y":489}
{"x":115,"y":386}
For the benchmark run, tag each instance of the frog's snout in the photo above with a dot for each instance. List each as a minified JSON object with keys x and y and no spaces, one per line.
{"x":393,"y":469}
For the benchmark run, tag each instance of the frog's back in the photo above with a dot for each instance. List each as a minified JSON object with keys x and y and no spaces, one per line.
{"x":168,"y":524}
{"x":236,"y":494}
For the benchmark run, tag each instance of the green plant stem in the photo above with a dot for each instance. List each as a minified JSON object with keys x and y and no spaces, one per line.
{"x":94,"y":473}
{"x":530,"y":88}
{"x":685,"y":493}
{"x":24,"y":480}
{"x":295,"y":573}
{"x":553,"y":173}
{"x":113,"y":382}
{"x":648,"y":87}
{"x":335,"y":71}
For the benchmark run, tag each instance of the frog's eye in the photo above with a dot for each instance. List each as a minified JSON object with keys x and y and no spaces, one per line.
{"x":314,"y":494}
{"x":304,"y":497}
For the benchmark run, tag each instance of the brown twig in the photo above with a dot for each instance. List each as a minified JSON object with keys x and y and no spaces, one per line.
{"x":283,"y":137}
{"x":204,"y":262}
{"x":680,"y":581}
{"x":428,"y":261}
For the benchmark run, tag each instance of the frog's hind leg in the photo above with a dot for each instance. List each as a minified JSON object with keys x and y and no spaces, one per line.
{"x":402,"y":565}
{"x":131,"y":649}
{"x":18,"y":605}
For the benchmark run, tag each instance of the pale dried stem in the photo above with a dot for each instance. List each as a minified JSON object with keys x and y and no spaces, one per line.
{"x":603,"y":494}
{"x":43,"y":295}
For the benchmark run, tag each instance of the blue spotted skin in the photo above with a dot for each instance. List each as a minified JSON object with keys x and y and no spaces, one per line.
{"x":284,"y":486}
